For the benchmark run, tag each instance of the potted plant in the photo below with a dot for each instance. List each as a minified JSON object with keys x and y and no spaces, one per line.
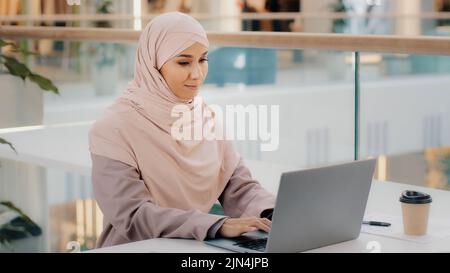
{"x":15,"y":225}
{"x":10,"y":66}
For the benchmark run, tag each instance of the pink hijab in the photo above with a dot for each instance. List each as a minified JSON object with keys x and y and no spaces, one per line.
{"x":136,"y":128}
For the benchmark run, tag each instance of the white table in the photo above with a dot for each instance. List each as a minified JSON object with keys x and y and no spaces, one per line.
{"x":66,"y":148}
{"x":383,"y":198}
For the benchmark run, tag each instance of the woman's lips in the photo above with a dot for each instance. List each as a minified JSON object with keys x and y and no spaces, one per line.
{"x":192,"y":87}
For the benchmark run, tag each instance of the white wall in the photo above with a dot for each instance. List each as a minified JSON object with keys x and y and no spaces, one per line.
{"x":415,"y":112}
{"x":21,"y":103}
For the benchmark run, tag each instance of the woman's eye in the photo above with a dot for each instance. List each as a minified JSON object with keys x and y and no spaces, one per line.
{"x":188,"y":63}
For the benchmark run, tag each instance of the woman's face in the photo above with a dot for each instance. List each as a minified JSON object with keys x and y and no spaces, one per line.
{"x":186,"y":72}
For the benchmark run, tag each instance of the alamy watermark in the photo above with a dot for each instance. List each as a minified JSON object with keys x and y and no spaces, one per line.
{"x":233,"y":122}
{"x":374,"y":247}
{"x":73,"y":247}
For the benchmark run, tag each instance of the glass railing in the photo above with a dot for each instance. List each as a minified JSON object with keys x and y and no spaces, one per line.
{"x":310,"y":87}
{"x":334,"y":106}
{"x":405,"y":117}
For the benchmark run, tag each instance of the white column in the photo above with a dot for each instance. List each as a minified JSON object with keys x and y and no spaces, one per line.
{"x":317,"y":25}
{"x":230,"y":8}
{"x":409,"y":25}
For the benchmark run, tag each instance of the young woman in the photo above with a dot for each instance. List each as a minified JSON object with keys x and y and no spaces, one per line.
{"x":149,"y":184}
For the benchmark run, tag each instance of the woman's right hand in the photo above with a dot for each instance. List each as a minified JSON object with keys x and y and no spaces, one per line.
{"x":234,"y":227}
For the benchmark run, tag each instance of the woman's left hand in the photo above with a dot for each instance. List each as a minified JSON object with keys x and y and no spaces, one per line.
{"x":234,"y":227}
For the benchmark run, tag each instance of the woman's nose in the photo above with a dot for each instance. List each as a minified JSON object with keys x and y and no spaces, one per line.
{"x":196,"y":72}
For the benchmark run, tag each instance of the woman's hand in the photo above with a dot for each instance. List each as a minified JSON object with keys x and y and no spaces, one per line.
{"x":234,"y":227}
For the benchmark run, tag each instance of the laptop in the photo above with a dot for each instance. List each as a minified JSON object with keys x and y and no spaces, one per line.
{"x":314,"y":208}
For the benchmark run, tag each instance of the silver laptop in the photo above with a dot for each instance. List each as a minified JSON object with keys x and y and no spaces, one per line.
{"x":314,"y":208}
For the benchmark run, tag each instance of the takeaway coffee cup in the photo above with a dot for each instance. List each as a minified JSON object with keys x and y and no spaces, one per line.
{"x":415,"y":209}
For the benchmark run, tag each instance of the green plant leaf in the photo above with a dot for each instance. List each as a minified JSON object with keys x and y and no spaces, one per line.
{"x":19,"y":69}
{"x":19,"y":227}
{"x":3,"y":43}
{"x":10,"y":205}
{"x":24,"y":52}
{"x":3,"y":141}
{"x":43,"y":83}
{"x":16,"y":48}
{"x":16,"y":68}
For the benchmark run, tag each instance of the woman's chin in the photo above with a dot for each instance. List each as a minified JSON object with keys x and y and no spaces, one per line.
{"x":188,"y":98}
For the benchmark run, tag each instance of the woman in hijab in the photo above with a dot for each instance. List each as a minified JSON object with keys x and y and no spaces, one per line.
{"x":149,"y":184}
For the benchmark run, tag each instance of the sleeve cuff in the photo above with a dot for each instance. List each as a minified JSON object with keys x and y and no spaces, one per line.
{"x":256,"y":208}
{"x":212,"y":231}
{"x":267,"y":214}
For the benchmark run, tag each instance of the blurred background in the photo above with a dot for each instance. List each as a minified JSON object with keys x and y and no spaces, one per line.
{"x":404,"y":103}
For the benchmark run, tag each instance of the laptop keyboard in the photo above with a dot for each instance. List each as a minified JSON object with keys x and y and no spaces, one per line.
{"x":256,"y":244}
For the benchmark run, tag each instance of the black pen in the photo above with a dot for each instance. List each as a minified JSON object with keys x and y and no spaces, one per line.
{"x":375,"y":223}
